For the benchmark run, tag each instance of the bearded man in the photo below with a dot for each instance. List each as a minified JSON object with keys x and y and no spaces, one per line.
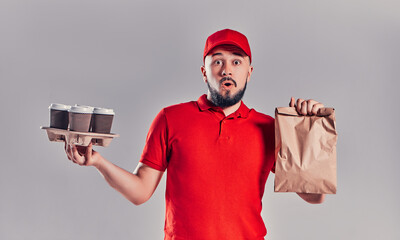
{"x":217,"y":151}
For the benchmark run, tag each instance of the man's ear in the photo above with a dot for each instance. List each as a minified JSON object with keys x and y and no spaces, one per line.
{"x":249,"y":73}
{"x":203,"y":72}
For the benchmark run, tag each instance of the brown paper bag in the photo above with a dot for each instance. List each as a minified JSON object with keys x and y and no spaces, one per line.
{"x":305,"y":151}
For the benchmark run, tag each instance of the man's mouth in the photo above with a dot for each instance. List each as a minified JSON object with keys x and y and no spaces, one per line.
{"x":228,"y":82}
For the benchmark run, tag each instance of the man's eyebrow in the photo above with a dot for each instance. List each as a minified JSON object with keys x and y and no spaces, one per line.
{"x":216,"y":54}
{"x":237,"y":54}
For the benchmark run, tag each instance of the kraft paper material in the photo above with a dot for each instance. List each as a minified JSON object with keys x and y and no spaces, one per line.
{"x":79,"y":138}
{"x":305,"y":151}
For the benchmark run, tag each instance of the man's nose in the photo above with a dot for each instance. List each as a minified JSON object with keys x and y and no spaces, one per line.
{"x":226,"y":70}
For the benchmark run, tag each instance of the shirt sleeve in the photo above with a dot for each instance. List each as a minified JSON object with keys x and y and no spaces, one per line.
{"x":155,"y":152}
{"x":274,"y":147}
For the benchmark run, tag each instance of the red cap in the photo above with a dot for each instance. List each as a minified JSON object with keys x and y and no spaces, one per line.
{"x":227,"y":36}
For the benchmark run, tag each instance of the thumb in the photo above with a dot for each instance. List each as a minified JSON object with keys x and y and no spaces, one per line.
{"x":88,"y":153}
{"x":292,"y":101}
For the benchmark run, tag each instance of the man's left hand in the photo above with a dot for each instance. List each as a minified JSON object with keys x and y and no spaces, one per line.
{"x":306,"y":107}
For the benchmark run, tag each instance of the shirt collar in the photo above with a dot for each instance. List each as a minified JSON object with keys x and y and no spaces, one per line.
{"x":204,"y":104}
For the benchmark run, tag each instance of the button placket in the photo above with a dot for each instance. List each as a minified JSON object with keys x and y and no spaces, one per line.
{"x":221,"y":123}
{"x":223,"y":134}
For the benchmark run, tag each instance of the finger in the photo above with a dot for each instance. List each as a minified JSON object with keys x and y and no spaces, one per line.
{"x":75,"y":155}
{"x":303,"y":109}
{"x":88,"y":154}
{"x":298,"y":105}
{"x":68,"y":151}
{"x":316,"y":107}
{"x":71,"y":156}
{"x":310,"y":104}
{"x":292,"y":101}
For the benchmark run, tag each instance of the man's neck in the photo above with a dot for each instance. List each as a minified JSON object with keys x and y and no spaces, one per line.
{"x":231,"y":109}
{"x":227,"y":110}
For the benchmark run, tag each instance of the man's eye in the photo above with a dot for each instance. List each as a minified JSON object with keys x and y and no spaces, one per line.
{"x":218,"y":62}
{"x":236,"y":62}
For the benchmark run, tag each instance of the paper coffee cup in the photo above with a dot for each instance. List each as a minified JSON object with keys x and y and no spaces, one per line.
{"x":80,"y":118}
{"x":102,"y":120}
{"x":91,"y":108}
{"x":59,"y":115}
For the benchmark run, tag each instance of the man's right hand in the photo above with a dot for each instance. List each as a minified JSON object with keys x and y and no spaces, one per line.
{"x":84,"y":156}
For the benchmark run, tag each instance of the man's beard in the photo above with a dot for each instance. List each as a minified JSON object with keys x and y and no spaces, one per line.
{"x":227,"y":101}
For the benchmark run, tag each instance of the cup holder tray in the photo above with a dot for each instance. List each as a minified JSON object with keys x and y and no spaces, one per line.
{"x":79,"y":138}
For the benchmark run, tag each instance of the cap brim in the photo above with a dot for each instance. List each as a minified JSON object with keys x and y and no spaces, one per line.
{"x":225,"y":42}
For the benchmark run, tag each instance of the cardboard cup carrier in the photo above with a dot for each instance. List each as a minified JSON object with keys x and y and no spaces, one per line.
{"x":305,"y":151}
{"x":80,"y":125}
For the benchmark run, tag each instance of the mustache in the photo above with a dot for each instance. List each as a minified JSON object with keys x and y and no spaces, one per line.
{"x":227,"y":78}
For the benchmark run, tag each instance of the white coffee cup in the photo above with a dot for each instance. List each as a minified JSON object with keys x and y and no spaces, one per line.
{"x":80,"y":118}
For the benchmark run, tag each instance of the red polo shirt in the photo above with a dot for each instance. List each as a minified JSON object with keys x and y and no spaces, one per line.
{"x":217,"y":169}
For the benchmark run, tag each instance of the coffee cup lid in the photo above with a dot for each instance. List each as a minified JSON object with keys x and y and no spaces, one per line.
{"x":107,"y":111}
{"x":79,"y":105}
{"x":59,"y":106}
{"x":80,"y":109}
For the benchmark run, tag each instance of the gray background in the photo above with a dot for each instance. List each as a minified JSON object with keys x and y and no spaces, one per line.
{"x":139,"y":56}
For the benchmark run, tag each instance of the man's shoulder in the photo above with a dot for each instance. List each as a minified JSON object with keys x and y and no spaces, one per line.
{"x":261,"y":116}
{"x":181,"y":107}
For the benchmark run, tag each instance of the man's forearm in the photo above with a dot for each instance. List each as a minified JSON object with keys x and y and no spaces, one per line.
{"x":130,"y":185}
